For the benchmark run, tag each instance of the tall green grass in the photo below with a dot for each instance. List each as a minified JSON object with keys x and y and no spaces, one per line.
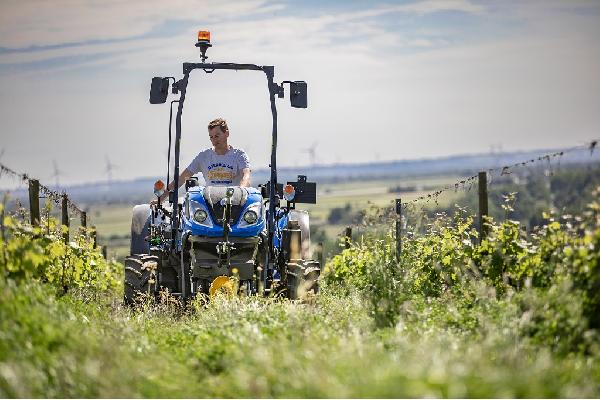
{"x":513,"y":317}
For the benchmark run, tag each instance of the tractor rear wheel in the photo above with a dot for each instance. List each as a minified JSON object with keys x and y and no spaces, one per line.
{"x":140,"y":276}
{"x":302,"y":279}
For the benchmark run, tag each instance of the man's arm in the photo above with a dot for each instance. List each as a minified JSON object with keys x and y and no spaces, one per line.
{"x":245,"y":181}
{"x":185,"y":175}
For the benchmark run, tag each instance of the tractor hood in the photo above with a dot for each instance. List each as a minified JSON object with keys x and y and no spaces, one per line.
{"x":208,"y":200}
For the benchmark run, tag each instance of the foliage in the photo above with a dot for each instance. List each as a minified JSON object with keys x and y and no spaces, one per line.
{"x":40,"y":253}
{"x":552,"y":274}
{"x":514,"y":316}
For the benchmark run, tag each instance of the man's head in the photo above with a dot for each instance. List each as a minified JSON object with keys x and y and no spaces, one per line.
{"x":218,"y":132}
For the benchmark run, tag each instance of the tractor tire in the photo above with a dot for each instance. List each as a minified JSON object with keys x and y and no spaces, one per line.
{"x":140,"y":229}
{"x":304,"y":223}
{"x":140,"y":276}
{"x":303,"y":280}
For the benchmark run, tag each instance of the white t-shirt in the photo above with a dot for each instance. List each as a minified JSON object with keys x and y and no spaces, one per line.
{"x":225,"y":170}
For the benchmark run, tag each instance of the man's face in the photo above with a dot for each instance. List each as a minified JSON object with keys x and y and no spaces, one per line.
{"x":217,"y":136}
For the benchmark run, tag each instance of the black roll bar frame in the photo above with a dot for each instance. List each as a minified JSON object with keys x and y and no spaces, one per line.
{"x":274,"y":89}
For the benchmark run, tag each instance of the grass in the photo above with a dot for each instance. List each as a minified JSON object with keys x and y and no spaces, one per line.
{"x":90,"y":346}
{"x":441,"y":323}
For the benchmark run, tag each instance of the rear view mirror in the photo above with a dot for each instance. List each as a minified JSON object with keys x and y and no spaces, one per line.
{"x":298,"y":96}
{"x":159,"y":90}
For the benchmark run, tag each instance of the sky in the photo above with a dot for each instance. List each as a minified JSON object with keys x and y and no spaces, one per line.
{"x":386,"y":80}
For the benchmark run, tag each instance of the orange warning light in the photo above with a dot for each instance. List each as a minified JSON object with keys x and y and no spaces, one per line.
{"x":289,"y":192}
{"x":159,"y":188}
{"x":204,"y":36}
{"x":159,"y":185}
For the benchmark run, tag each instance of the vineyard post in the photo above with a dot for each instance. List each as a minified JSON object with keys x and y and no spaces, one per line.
{"x":483,"y":204}
{"x":398,"y":229}
{"x":94,"y":237}
{"x":320,"y":254}
{"x":34,"y":201}
{"x":348,"y":237}
{"x":104,"y":251}
{"x":65,"y":216}
{"x":83,"y":219}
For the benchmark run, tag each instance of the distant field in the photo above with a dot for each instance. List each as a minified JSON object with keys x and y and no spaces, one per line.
{"x":361,"y":194}
{"x":113,"y":224}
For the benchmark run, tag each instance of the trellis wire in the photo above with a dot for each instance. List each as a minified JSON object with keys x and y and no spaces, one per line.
{"x":504,"y":170}
{"x":53,"y":195}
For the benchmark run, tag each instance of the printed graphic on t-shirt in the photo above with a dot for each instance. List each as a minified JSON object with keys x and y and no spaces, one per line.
{"x":223,"y":170}
{"x":220,"y":174}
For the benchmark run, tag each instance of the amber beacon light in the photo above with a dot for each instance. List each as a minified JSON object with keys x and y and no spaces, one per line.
{"x":203,"y":43}
{"x":204,"y":36}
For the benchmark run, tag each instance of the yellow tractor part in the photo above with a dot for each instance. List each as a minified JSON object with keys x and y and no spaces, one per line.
{"x":222,"y":284}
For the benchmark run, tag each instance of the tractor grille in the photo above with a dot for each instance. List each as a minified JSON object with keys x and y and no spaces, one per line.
{"x":213,"y":196}
{"x":216,"y":211}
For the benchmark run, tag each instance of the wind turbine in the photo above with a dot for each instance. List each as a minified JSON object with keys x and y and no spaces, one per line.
{"x":56,"y":174}
{"x":109,"y":169}
{"x":312,"y":153}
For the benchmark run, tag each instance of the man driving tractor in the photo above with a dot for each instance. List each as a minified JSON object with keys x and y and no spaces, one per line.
{"x":221,"y":165}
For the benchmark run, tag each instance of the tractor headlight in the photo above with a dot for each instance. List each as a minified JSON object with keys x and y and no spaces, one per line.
{"x":199,"y":213}
{"x":251,"y":215}
{"x":200,"y":216}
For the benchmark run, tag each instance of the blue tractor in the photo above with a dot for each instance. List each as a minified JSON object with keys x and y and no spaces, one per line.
{"x":215,"y":238}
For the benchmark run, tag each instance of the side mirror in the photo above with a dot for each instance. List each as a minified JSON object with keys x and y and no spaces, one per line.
{"x":159,"y":90}
{"x":298,"y":96}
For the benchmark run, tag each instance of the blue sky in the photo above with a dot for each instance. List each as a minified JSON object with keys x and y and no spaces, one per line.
{"x":387,"y":80}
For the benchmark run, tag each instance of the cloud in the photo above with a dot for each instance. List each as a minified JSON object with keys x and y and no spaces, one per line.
{"x":42,"y":23}
{"x":138,"y":32}
{"x":432,"y":6}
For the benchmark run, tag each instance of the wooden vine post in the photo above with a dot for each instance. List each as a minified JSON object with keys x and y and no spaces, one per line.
{"x":398,"y":229}
{"x":34,"y":201}
{"x":483,"y":205}
{"x":94,"y":237}
{"x":347,"y":237}
{"x":320,"y":254}
{"x":65,"y":216}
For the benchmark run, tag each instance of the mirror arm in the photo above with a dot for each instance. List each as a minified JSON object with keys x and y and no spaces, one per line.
{"x":170,"y":137}
{"x":182,"y":85}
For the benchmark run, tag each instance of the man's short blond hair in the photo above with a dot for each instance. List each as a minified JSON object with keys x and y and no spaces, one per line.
{"x":218,"y":122}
